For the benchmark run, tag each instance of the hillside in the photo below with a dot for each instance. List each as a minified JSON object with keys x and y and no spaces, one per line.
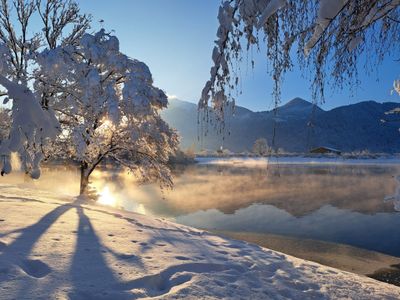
{"x":348,"y":128}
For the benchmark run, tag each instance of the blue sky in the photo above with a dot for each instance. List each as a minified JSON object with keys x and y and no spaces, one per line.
{"x":175,"y":38}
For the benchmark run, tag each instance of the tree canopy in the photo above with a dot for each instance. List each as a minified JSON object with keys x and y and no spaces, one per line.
{"x":107,"y":107}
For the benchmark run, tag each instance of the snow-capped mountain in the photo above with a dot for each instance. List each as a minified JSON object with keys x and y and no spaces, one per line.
{"x":299,"y":125}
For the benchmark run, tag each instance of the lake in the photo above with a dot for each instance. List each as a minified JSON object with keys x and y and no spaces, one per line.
{"x":322,"y":199}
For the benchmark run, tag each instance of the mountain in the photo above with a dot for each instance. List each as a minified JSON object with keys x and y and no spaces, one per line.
{"x":297,"y":108}
{"x":298,"y":125}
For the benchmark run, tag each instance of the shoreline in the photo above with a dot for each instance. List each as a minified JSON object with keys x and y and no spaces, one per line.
{"x":67,"y":248}
{"x":368,"y":263}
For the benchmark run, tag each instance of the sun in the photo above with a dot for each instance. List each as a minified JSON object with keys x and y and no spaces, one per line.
{"x":106,"y":197}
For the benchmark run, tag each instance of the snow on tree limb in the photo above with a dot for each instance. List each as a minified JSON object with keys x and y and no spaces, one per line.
{"x":33,"y":121}
{"x":108,"y":108}
{"x":269,"y":10}
{"x":327,"y":35}
{"x":328,"y":10}
{"x":31,"y":128}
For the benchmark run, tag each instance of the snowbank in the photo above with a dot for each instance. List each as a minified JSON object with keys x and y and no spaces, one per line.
{"x":57,"y":248}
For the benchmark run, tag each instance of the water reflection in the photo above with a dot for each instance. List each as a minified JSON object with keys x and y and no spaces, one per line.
{"x":395,"y":199}
{"x":106,"y":197}
{"x":378,"y":232}
{"x":325,"y":202}
{"x":298,"y":190}
{"x":338,"y":203}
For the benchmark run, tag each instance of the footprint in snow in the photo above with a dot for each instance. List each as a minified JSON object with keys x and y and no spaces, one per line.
{"x":212,"y":244}
{"x":182,"y":257}
{"x":199,"y":258}
{"x":174,"y":277}
{"x":126,"y":256}
{"x":233,"y":246}
{"x":35,"y":268}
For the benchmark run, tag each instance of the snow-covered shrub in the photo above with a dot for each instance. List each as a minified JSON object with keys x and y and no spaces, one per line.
{"x":260,"y":147}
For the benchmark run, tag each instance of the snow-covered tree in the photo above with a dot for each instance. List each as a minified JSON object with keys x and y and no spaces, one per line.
{"x":260,"y":147}
{"x":33,"y":123}
{"x":328,"y":36}
{"x":107,"y":107}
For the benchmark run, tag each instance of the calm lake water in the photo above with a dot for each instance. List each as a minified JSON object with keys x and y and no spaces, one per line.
{"x":324,"y":200}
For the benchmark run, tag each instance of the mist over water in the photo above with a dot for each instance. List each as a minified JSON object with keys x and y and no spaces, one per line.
{"x":59,"y":179}
{"x":332,"y":202}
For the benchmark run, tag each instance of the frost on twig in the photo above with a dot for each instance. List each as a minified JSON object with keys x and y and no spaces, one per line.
{"x":327,"y":35}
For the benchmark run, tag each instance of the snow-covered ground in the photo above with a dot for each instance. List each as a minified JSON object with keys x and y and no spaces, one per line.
{"x":55,"y":247}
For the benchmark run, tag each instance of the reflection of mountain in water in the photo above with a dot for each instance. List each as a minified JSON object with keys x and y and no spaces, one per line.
{"x":375,"y":232}
{"x":341,"y":204}
{"x":298,"y":190}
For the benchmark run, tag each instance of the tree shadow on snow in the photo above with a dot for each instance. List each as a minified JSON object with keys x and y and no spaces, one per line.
{"x":19,"y":250}
{"x":88,"y":270}
{"x":90,"y":274}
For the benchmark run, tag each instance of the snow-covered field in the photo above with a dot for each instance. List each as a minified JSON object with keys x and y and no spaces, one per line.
{"x":55,"y":247}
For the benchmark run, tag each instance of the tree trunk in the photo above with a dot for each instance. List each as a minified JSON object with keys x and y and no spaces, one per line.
{"x":84,"y":178}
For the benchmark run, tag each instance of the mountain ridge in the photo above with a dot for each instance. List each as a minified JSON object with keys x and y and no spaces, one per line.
{"x":299,"y":125}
